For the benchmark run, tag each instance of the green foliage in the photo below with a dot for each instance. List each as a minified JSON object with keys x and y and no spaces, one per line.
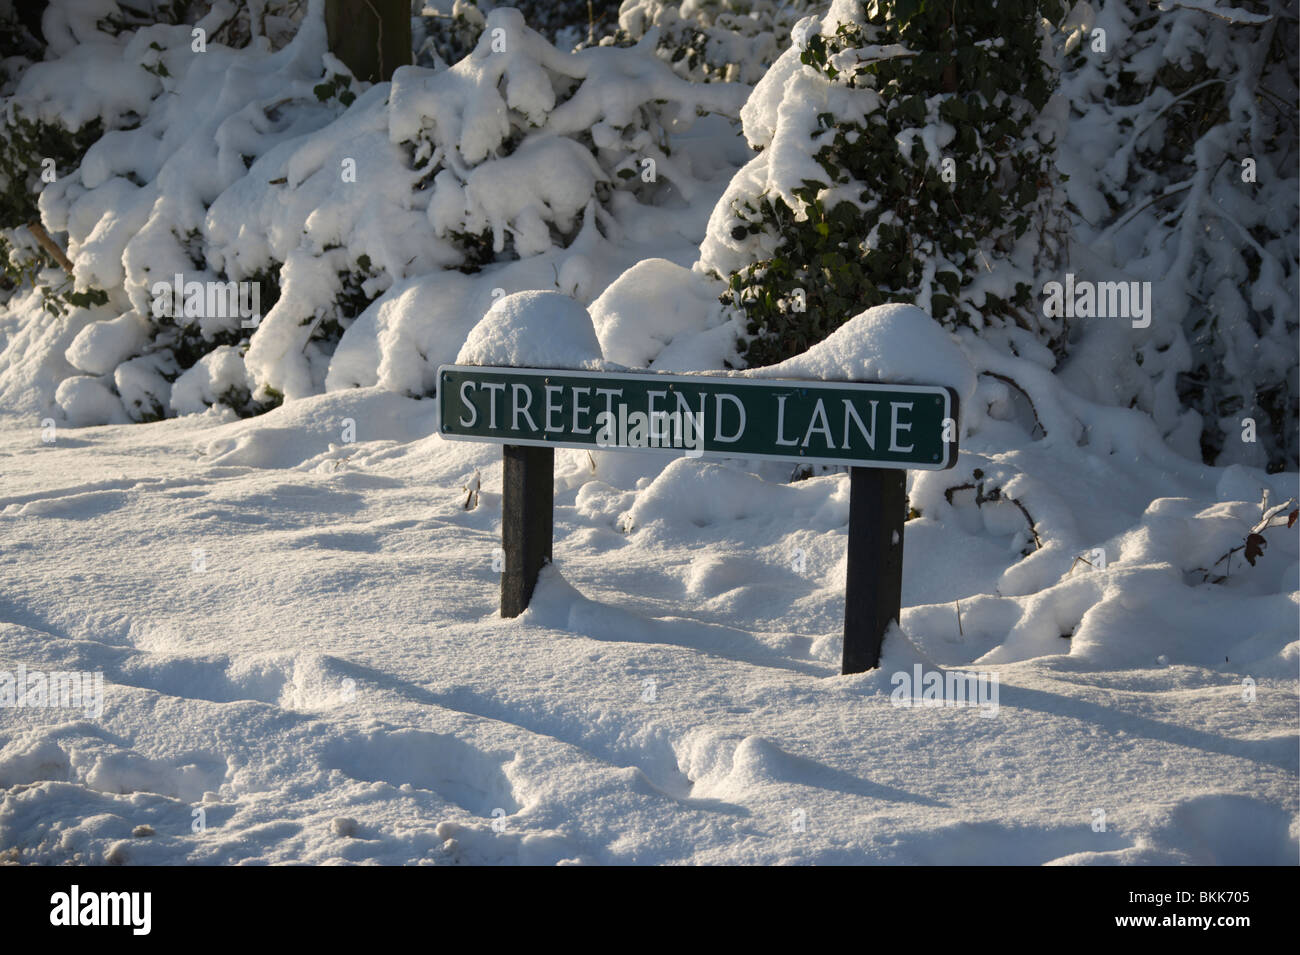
{"x":18,"y":36}
{"x":24,"y":145}
{"x":351,"y":301}
{"x":477,"y":249}
{"x":445,"y":39}
{"x":1171,"y":117}
{"x":27,"y":148}
{"x":186,"y":342}
{"x":883,"y":214}
{"x":248,"y":405}
{"x":335,"y":86}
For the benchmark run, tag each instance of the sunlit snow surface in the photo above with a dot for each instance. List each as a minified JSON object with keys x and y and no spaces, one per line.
{"x":671,"y":696}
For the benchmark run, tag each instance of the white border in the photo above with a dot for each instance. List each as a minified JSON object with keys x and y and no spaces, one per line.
{"x":945,"y":392}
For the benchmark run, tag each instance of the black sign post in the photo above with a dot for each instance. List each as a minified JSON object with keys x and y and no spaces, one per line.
{"x":873,"y":586}
{"x":877,"y":430}
{"x":527,"y":508}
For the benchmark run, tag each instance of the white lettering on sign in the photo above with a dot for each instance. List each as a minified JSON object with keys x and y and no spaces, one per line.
{"x":580,"y":409}
{"x":552,"y":402}
{"x":896,"y":426}
{"x":492,"y":388}
{"x":464,"y":387}
{"x":819,"y":411}
{"x":610,"y":394}
{"x":527,"y":393}
{"x":780,"y":423}
{"x":819,"y":422}
{"x":553,"y":409}
{"x":717,"y":419}
{"x":868,"y":436}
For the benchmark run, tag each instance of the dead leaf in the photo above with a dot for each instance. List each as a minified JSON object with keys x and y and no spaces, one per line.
{"x":1255,"y":545}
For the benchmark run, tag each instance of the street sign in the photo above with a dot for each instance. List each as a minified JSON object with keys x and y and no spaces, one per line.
{"x":817,"y":422}
{"x":876,"y":430}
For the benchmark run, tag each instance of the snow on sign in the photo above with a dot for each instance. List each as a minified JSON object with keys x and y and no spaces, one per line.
{"x":846,"y":423}
{"x":877,"y":430}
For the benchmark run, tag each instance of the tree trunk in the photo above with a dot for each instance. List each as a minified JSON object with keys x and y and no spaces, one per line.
{"x":371,"y":37}
{"x":946,"y":41}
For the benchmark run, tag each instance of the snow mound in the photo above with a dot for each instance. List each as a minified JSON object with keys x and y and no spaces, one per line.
{"x":215,"y":374}
{"x":320,"y":430}
{"x":102,"y":346}
{"x":402,"y":338}
{"x":534,"y":329}
{"x":86,"y":401}
{"x":653,"y":309}
{"x":900,"y":344}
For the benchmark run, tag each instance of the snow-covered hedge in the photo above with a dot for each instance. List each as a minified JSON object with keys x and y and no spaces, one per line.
{"x":1182,"y":163}
{"x":274,"y":168}
{"x":903,"y":159}
{"x":708,"y":40}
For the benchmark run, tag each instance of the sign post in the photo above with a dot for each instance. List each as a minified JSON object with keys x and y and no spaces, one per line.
{"x":877,"y":430}
{"x":527,"y":508}
{"x":873,"y":586}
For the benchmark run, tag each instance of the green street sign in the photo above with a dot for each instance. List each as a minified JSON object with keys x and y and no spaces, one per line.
{"x":818,"y":422}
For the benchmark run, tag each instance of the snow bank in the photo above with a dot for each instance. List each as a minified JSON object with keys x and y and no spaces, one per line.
{"x":85,"y":400}
{"x":654,"y":313}
{"x":317,"y":593}
{"x":320,"y":432}
{"x":102,"y":346}
{"x":231,"y":166}
{"x":534,"y":329}
{"x":888,"y":343}
{"x":203,"y":384}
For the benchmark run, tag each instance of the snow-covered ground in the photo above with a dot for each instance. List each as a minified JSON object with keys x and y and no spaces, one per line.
{"x":300,"y":637}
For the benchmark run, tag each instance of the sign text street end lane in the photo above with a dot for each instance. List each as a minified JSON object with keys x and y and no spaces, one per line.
{"x":856,"y":424}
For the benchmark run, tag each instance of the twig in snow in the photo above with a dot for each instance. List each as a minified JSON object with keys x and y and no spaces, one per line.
{"x":471,"y":490}
{"x":996,"y":495}
{"x":1020,"y":388}
{"x":49,"y":245}
{"x":1255,"y":542}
